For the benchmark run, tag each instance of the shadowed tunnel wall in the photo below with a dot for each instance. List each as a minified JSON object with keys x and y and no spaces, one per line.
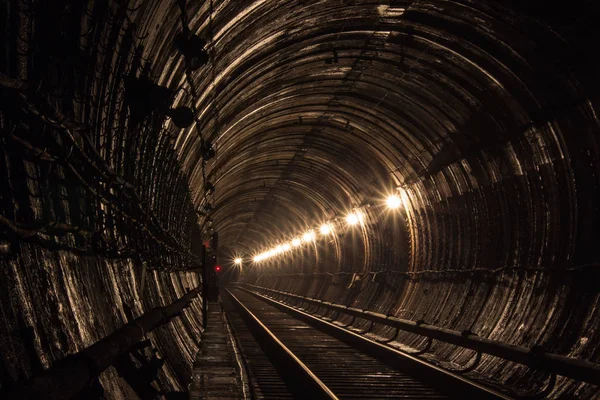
{"x":481,"y":115}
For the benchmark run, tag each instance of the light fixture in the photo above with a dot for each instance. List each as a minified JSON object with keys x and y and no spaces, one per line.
{"x":393,"y":201}
{"x":354,"y":218}
{"x":144,"y":97}
{"x":325,"y":229}
{"x":308,"y":236}
{"x":237,"y":261}
{"x":182,"y":116}
{"x":192,"y":47}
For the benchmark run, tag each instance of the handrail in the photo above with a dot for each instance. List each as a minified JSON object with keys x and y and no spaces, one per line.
{"x":581,"y":370}
{"x":69,"y":376}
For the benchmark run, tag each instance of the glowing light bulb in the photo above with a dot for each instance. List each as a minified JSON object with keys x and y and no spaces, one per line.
{"x":325,"y":229}
{"x":308,"y":236}
{"x":238,"y":261}
{"x":354,"y":218}
{"x":286,"y":247}
{"x":296,"y":242}
{"x":257,"y":258}
{"x":393,"y":201}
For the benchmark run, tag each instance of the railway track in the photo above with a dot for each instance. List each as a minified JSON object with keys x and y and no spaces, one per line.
{"x":287,"y":357}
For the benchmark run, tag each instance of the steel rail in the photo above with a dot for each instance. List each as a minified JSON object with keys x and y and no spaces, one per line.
{"x":301,"y":381}
{"x":438,"y":377}
{"x":581,"y":370}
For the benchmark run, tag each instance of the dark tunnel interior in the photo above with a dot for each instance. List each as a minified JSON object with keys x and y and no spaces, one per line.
{"x":450,"y":147}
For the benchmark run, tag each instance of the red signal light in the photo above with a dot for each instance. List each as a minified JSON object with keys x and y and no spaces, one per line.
{"x":218,"y":268}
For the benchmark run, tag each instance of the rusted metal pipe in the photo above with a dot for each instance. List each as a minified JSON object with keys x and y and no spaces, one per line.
{"x":70,"y":376}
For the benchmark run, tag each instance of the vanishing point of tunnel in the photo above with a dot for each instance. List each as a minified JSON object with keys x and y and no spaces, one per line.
{"x":436,"y":162}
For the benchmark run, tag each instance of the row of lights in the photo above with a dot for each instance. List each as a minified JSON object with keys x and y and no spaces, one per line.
{"x":354,"y":218}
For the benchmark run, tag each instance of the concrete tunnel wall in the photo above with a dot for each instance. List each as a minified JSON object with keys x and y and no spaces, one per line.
{"x":483,"y":113}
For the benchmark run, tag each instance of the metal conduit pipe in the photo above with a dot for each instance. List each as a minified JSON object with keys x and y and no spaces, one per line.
{"x":71,"y":375}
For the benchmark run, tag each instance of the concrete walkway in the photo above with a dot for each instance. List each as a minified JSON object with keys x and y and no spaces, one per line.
{"x":215,"y":376}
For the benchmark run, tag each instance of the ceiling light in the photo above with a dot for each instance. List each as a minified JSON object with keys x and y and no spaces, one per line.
{"x":182,"y":116}
{"x":192,"y":47}
{"x":390,"y":11}
{"x":354,"y":218}
{"x":296,"y":242}
{"x":325,"y":229}
{"x":144,"y":97}
{"x":237,"y":261}
{"x":286,"y":247}
{"x":393,"y":201}
{"x":308,"y":236}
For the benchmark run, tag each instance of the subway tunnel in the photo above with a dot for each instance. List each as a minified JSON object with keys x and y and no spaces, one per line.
{"x":431,"y":160}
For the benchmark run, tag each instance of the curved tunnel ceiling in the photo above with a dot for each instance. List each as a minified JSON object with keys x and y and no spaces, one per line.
{"x":440,"y":97}
{"x":482,"y":114}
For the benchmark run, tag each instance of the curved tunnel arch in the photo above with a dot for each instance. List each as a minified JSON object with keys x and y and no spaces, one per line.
{"x":465,"y":131}
{"x":482,"y":116}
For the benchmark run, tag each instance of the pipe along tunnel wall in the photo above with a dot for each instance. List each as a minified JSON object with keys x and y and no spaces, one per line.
{"x":484,"y":113}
